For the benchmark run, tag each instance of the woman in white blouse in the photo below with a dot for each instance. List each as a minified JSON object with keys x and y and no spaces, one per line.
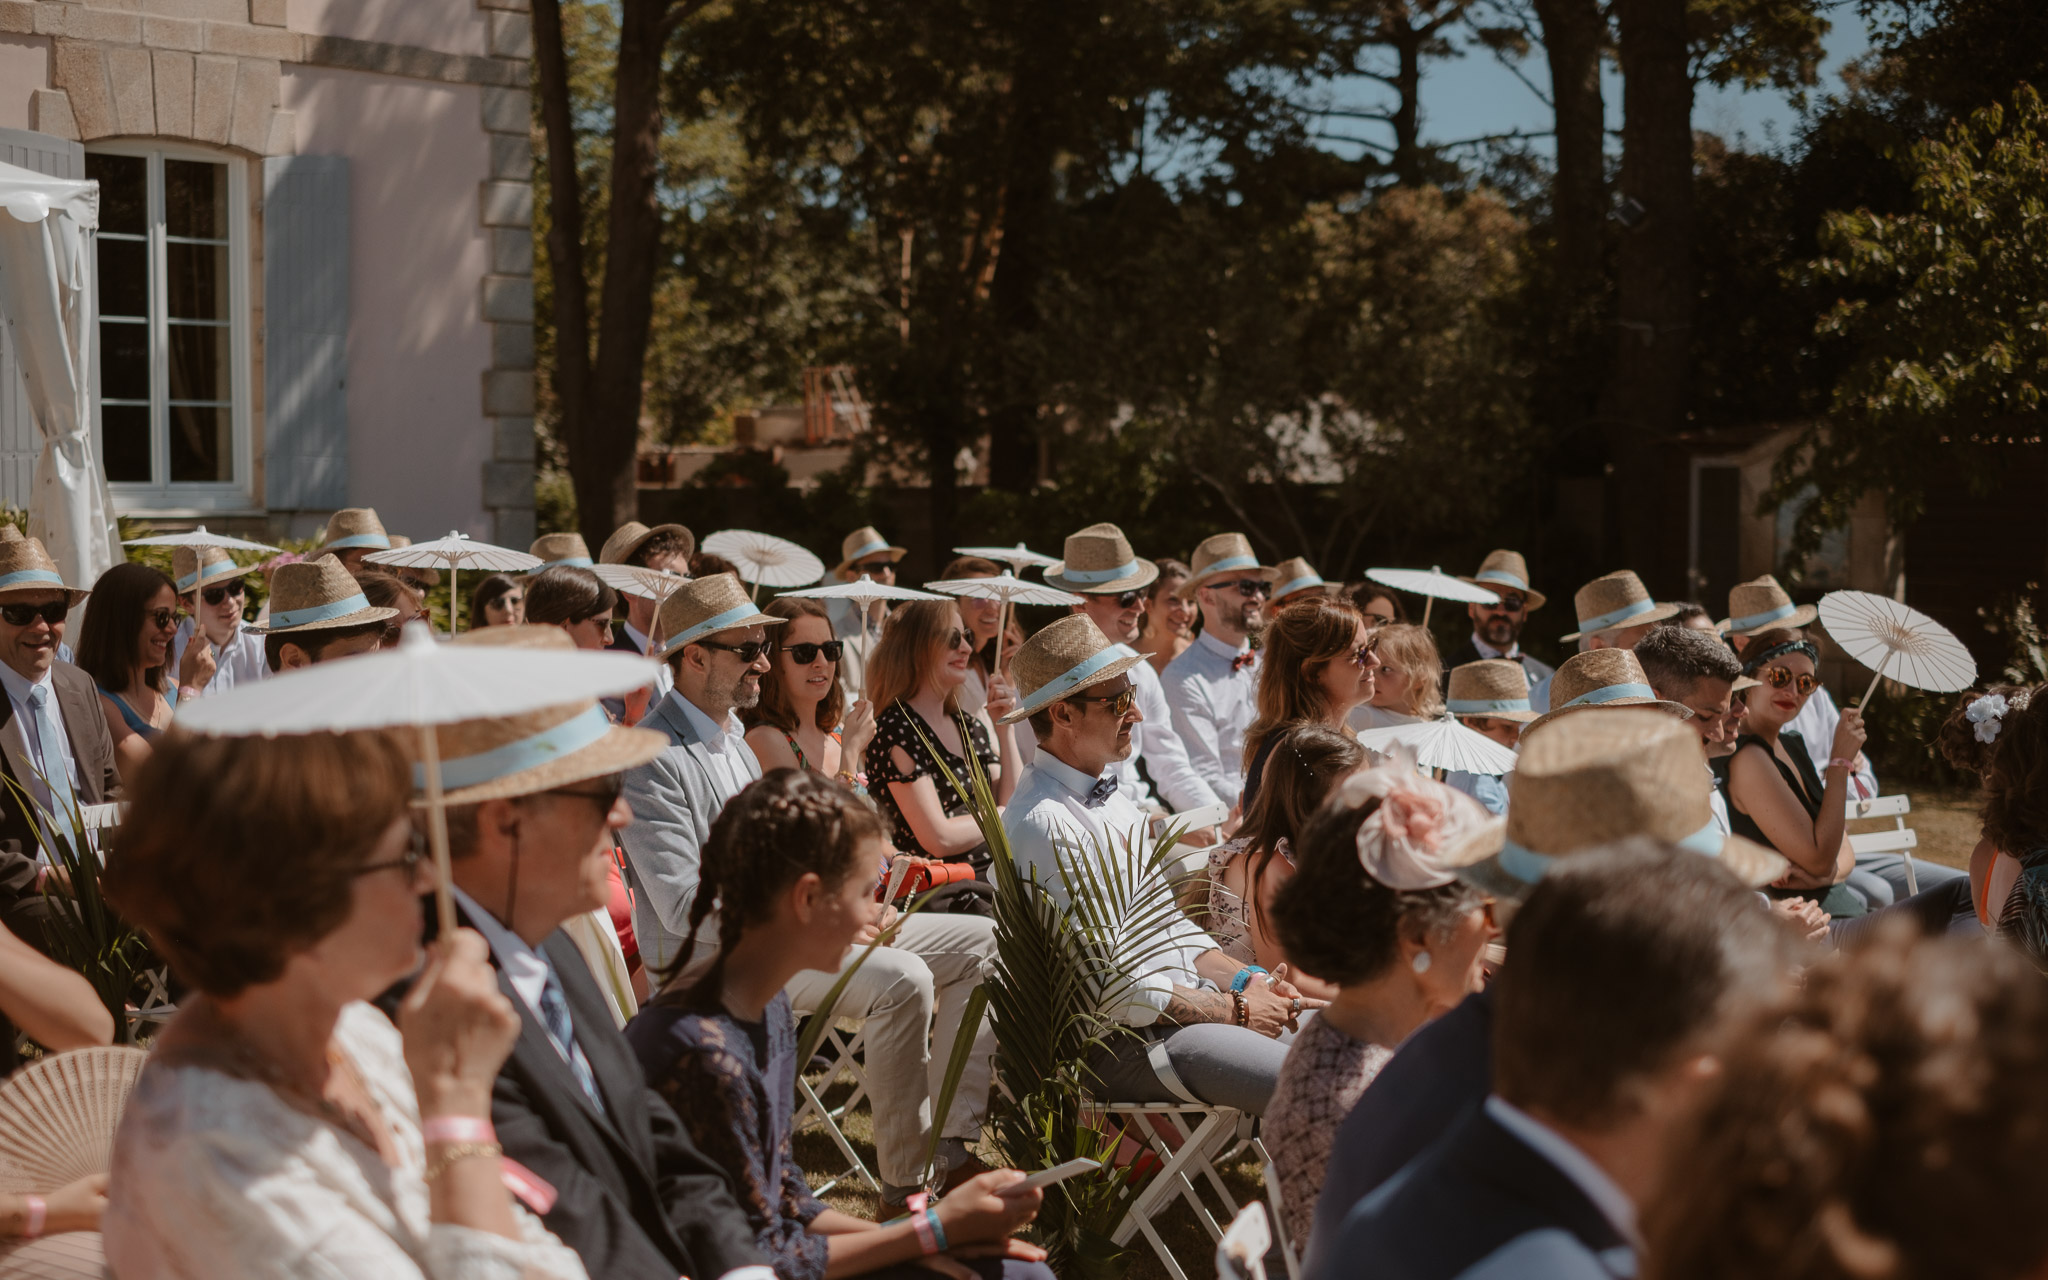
{"x":283,"y":1127}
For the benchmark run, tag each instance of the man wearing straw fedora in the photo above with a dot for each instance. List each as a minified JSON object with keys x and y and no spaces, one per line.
{"x":864,"y":552}
{"x":1489,"y":697}
{"x":318,"y":613}
{"x":1603,"y":678}
{"x":351,"y":534}
{"x":665,"y":548}
{"x":1497,"y":625}
{"x":54,"y":742}
{"x":211,"y":586}
{"x":1207,"y":1030}
{"x":1584,"y":781}
{"x":1614,"y":612}
{"x":557,"y":550}
{"x":533,"y":801}
{"x":1294,"y":579}
{"x":913,"y":994}
{"x":1212,"y":688}
{"x":1111,"y":579}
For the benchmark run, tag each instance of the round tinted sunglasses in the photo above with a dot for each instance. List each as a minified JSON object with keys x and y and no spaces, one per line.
{"x":805,"y":654}
{"x":1119,"y":703}
{"x":1802,"y":684}
{"x":214,"y":595}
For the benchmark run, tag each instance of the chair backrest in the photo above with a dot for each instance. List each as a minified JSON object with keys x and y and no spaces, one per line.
{"x":1899,"y":839}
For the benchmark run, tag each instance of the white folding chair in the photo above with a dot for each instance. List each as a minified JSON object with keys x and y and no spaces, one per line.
{"x":1901,"y":839}
{"x":841,"y":1041}
{"x":1194,"y":1157}
{"x":1278,"y":1213}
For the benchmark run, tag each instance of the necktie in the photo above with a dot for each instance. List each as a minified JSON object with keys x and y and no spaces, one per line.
{"x":56,"y":781}
{"x":554,"y":1014}
{"x":1100,"y":793}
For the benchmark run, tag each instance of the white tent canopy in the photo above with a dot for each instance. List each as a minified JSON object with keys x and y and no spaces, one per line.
{"x":49,"y":300}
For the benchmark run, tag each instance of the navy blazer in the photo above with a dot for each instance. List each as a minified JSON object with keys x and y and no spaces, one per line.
{"x":1440,"y":1075}
{"x":1480,"y":1205}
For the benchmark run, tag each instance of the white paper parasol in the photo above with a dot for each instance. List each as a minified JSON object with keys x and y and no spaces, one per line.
{"x":766,"y":560}
{"x":1018,"y":558}
{"x":1442,"y":744}
{"x":456,"y":552}
{"x":1896,"y":642}
{"x":417,"y":685}
{"x":1432,"y":584}
{"x":862,"y":592}
{"x":199,"y":537}
{"x":649,"y":584}
{"x":1010,"y":591}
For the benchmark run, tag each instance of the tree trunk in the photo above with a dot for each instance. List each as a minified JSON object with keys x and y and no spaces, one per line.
{"x":1573,"y":32}
{"x":1645,"y":400}
{"x":565,"y":234}
{"x":1407,"y":38}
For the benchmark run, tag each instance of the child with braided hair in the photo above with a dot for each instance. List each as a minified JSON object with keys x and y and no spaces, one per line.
{"x":790,"y":869}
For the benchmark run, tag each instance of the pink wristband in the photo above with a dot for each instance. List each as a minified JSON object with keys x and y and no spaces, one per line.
{"x":458,"y":1129}
{"x":38,"y":1210}
{"x":921,"y":1223}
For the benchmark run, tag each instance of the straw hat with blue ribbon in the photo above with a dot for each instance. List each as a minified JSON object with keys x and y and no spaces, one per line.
{"x":1099,"y":562}
{"x":860,"y":544}
{"x":1064,"y":658}
{"x":1590,"y":780}
{"x":316,"y":595}
{"x":354,"y":527}
{"x":1295,"y":575}
{"x":705,"y":606}
{"x":562,"y":550}
{"x":539,"y":750}
{"x":1225,"y":553}
{"x":25,"y":566}
{"x":629,"y":537}
{"x":1496,"y":688}
{"x":1506,"y":571}
{"x":1762,"y":605}
{"x":1603,"y":678}
{"x":1618,"y":600}
{"x":196,"y":568}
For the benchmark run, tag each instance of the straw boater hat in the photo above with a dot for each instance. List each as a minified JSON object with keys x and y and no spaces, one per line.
{"x":25,"y":566}
{"x":1100,"y":562}
{"x":703,"y":606}
{"x":558,"y":549}
{"x":1225,"y":553}
{"x":862,"y":543}
{"x":539,"y":750}
{"x":1064,"y":658}
{"x":1496,"y":688}
{"x":196,"y":568}
{"x":1294,"y":574}
{"x":1604,"y":776}
{"x":1617,"y":600}
{"x":354,"y":527}
{"x":1506,"y":571}
{"x":632,"y":535}
{"x":1604,"y":678}
{"x":316,"y":595}
{"x":1760,"y":605}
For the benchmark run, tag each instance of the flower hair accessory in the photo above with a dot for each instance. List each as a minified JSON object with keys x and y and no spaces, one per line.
{"x":1404,"y":844}
{"x":1987,"y":714}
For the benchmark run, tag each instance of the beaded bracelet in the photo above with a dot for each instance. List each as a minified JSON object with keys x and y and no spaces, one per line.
{"x":455,"y":1151}
{"x":1240,"y":1011}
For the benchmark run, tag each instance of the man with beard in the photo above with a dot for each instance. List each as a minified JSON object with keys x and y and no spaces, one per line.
{"x":1212,"y":688}
{"x":1497,"y":625}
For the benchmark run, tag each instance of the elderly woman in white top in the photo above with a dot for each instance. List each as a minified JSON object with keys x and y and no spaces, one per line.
{"x":283,"y":1127}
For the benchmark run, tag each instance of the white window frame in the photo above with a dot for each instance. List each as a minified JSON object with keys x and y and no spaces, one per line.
{"x":236,"y":496}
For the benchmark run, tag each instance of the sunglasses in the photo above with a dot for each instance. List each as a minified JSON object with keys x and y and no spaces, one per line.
{"x":957,"y":637}
{"x":1364,"y":657}
{"x":22,"y":615}
{"x":1509,"y":603}
{"x":164,"y":619}
{"x":214,"y":595}
{"x":1125,"y":599}
{"x":606,"y":791}
{"x":746,"y":653}
{"x":1778,"y":677}
{"x":1379,"y":619}
{"x":1249,"y":588}
{"x":805,"y":654}
{"x":874,"y":567}
{"x":1119,"y":703}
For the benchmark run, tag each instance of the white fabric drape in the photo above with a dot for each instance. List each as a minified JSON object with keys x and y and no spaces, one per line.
{"x":50,"y":300}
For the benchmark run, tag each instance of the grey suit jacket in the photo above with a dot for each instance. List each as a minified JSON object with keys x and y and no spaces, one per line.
{"x":674,"y":798}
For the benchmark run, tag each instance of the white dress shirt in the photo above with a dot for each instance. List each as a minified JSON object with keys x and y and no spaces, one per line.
{"x":1048,"y":811}
{"x":522,"y":966}
{"x":847,"y":619}
{"x":238,"y":662}
{"x":723,"y":742}
{"x":1606,"y":1195}
{"x":664,"y":679}
{"x":1718,"y":802}
{"x":1213,"y":706}
{"x":1533,"y":668}
{"x":1156,"y":742}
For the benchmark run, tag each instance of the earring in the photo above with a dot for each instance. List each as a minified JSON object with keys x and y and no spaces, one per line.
{"x":1420,"y":962}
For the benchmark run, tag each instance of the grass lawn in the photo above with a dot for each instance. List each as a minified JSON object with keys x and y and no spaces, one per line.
{"x":1945,"y":821}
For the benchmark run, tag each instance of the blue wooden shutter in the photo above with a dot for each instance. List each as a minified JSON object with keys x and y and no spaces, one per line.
{"x":20,"y":442}
{"x":305,"y":332}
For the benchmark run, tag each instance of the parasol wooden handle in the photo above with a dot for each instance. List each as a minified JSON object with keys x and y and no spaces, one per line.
{"x":437,"y":832}
{"x":1875,"y":681}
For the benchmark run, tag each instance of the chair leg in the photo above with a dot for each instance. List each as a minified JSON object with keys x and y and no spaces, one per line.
{"x":812,"y":1104}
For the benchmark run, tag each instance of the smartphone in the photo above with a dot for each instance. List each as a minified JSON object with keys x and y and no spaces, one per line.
{"x":1058,"y":1173}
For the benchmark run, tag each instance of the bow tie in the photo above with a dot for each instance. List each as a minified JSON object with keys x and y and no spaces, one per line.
{"x":1243,"y":660}
{"x":1100,"y":793}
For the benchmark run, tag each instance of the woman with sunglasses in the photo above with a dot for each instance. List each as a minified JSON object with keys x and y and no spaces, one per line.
{"x":498,"y":601}
{"x":982,"y":618}
{"x":802,"y":721}
{"x":1775,"y":796}
{"x":1319,"y":664}
{"x":125,"y":645}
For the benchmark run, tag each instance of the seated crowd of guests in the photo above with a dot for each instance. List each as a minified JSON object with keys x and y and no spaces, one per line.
{"x":1479,"y":1018}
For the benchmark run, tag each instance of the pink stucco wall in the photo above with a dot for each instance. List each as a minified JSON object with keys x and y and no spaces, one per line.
{"x":24,"y":68}
{"x":418,"y":344}
{"x":448,"y":26}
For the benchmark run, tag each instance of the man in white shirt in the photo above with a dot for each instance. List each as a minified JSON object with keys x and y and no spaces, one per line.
{"x":1694,"y":669}
{"x":1075,"y":687}
{"x":1497,"y":625}
{"x":211,"y":587}
{"x":1212,"y":688}
{"x":664,"y":548}
{"x":862,"y":553}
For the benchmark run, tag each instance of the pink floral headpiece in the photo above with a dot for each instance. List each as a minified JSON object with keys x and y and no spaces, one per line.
{"x":1408,"y":842}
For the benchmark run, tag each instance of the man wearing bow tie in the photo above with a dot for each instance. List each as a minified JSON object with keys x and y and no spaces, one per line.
{"x":1213,"y":686}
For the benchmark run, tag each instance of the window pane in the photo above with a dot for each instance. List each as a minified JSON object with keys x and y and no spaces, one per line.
{"x":198,"y":283}
{"x":199,"y":362}
{"x":124,"y":278}
{"x":196,"y":199}
{"x":124,"y":360}
{"x":124,"y":430}
{"x":124,"y":192}
{"x":201,"y":451}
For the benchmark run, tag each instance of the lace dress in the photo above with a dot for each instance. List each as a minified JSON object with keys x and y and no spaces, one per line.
{"x":218,"y":1178}
{"x":1230,"y":918}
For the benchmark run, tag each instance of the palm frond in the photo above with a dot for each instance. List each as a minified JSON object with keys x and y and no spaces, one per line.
{"x":82,"y":929}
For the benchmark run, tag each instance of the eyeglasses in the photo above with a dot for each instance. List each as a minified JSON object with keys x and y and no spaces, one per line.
{"x":1512,"y":602}
{"x":23,"y":615}
{"x":214,"y":595}
{"x":956,"y":637}
{"x":1778,"y":677}
{"x":1249,"y":588}
{"x":164,"y":619}
{"x":407,"y":863}
{"x":746,"y":653}
{"x":1119,"y":703}
{"x":873,"y":567}
{"x":805,"y":654}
